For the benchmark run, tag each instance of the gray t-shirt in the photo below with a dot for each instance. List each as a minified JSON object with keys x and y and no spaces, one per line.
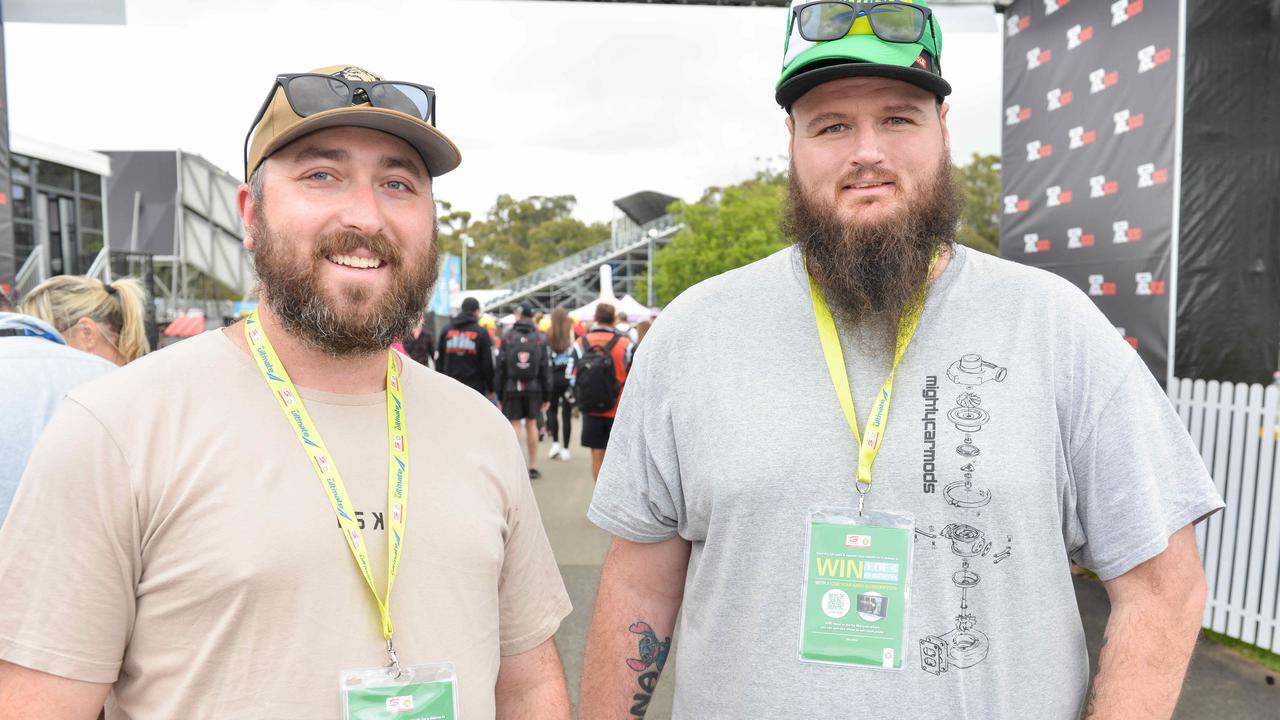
{"x":1023,"y":432}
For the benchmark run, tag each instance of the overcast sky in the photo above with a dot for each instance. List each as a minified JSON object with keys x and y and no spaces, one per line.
{"x":597,"y":100}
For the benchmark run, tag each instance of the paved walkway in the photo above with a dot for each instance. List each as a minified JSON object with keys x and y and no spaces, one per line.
{"x":1221,"y":684}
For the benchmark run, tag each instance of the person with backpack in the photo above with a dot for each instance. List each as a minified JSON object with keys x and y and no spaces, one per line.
{"x":602,"y":359}
{"x":523,"y":379}
{"x":560,"y":414}
{"x":465,"y":351}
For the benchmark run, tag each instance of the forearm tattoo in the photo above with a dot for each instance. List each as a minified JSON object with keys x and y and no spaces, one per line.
{"x":653,"y":656}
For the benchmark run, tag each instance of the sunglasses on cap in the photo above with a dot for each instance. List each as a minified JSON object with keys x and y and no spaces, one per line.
{"x":309,"y":94}
{"x":895,"y":22}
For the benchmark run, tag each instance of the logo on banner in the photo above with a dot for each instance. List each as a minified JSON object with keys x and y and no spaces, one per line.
{"x":397,"y":512}
{"x":397,"y":441}
{"x":1015,"y":114}
{"x":1051,"y":6}
{"x":1057,"y":98}
{"x":1100,"y":186}
{"x":1101,"y":79}
{"x":1078,"y":35}
{"x":1056,"y":196}
{"x":1133,"y":341}
{"x":255,"y":337}
{"x":1077,"y":238}
{"x":287,"y":397}
{"x":1149,"y":176}
{"x":1122,"y":10}
{"x":1013,"y":206}
{"x":1098,"y":286}
{"x":1031,"y":243}
{"x":1126,"y":121}
{"x":355,"y":538}
{"x":1122,"y":233}
{"x":1080,"y":137}
{"x":1015,"y":24}
{"x":1147,"y":284}
{"x":1149,"y":58}
{"x":323,"y":463}
{"x":1037,"y":57}
{"x":1037,"y":150}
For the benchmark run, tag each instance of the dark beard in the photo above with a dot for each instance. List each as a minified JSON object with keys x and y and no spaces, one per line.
{"x":871,"y":274}
{"x":291,"y":289}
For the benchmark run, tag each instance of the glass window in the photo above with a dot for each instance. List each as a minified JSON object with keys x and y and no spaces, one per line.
{"x":19,"y":176}
{"x":23,"y":241}
{"x":90,"y":184}
{"x":90,"y":246}
{"x":90,"y":214}
{"x":55,"y":175}
{"x":21,"y":196}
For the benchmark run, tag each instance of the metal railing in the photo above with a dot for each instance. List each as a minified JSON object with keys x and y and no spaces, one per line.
{"x":32,"y":273}
{"x":572,"y":264}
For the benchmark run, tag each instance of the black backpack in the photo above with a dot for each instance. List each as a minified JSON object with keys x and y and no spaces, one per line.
{"x":523,"y":351}
{"x":596,"y":387}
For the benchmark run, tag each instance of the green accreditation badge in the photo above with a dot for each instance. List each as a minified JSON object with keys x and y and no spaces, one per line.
{"x":419,"y":692}
{"x":857,"y":572}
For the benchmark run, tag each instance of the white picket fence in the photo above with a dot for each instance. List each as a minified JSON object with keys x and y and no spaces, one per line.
{"x":1235,"y":425}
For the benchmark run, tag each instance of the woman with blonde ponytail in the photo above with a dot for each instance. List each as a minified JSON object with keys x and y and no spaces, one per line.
{"x":105,"y":319}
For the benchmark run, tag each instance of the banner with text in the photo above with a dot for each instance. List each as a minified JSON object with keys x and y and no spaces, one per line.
{"x":1090,"y":112}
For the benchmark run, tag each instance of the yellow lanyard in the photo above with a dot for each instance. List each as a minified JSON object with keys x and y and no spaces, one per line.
{"x":869,"y":447}
{"x":326,"y":469}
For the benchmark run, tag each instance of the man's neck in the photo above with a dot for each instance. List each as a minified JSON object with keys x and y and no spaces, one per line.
{"x":311,"y":368}
{"x":944,"y":258}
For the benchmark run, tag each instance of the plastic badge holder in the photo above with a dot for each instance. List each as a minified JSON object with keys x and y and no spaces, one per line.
{"x":419,"y":692}
{"x":856,"y":588}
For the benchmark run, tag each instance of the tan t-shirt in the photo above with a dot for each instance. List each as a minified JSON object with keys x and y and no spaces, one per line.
{"x":170,"y":537}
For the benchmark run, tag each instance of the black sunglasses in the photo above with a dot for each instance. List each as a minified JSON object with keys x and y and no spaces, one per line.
{"x":309,"y":94}
{"x":891,"y":21}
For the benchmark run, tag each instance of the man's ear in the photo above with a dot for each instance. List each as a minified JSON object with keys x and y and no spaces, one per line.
{"x":791,"y":135}
{"x":943,"y":109}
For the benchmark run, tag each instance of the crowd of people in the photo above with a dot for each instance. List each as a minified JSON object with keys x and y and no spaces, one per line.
{"x":169,"y":554}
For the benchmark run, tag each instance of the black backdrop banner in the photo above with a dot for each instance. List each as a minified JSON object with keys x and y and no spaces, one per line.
{"x":1229,"y":254}
{"x":1087,"y":170}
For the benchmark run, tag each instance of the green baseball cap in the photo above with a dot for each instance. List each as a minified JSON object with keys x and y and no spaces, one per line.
{"x":807,"y":64}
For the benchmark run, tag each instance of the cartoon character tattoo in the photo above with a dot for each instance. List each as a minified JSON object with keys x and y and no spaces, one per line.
{"x":652,"y":651}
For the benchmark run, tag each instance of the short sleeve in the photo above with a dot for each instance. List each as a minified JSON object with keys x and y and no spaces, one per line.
{"x":69,"y":554}
{"x":532,"y":600}
{"x":1138,"y":478}
{"x":638,"y":496}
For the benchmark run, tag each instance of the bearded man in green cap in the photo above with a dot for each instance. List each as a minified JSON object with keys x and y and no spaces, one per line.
{"x":882,"y":525}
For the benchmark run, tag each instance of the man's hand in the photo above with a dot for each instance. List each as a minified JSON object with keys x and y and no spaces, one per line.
{"x":546,"y":406}
{"x":531,"y":686}
{"x":641,"y":587}
{"x":1156,"y":610}
{"x":27,"y":694}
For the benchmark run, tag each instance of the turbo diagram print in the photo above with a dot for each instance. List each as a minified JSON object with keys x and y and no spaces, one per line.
{"x":965,"y":645}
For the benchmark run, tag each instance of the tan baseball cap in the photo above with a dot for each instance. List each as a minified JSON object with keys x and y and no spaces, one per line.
{"x":280,"y":125}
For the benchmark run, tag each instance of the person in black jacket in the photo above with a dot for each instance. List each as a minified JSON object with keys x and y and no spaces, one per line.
{"x":523,"y":379}
{"x":465,"y":352}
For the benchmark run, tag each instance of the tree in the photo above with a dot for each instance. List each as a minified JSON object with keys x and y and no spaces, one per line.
{"x":725,"y":229}
{"x":979,"y":183}
{"x":520,"y":236}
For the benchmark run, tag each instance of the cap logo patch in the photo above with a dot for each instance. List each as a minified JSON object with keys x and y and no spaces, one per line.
{"x":921,"y":62}
{"x":355,"y":73}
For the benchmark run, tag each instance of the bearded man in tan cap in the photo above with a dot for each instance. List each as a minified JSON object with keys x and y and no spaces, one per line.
{"x":216,"y":530}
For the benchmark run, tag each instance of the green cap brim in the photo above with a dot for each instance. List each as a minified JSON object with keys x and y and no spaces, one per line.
{"x":852,"y":56}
